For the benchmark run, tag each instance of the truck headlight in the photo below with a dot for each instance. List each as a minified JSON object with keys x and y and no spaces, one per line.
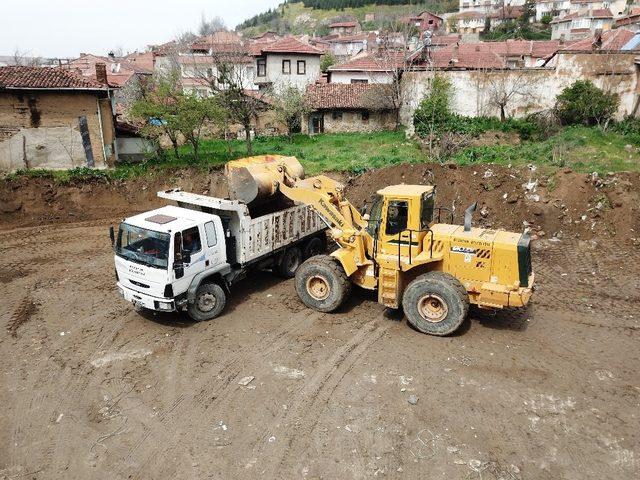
{"x":166,"y":306}
{"x":120,"y":291}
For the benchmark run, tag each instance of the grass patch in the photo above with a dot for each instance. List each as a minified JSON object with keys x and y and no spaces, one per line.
{"x":583,"y":149}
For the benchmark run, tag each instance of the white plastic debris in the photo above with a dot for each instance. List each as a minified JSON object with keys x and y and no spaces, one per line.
{"x":244,"y":381}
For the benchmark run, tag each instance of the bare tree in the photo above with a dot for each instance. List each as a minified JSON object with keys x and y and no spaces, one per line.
{"x":505,"y":87}
{"x":226,"y":74}
{"x":209,"y":26}
{"x":22,"y":58}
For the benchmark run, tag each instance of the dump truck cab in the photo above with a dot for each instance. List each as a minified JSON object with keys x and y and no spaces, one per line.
{"x":159,"y":253}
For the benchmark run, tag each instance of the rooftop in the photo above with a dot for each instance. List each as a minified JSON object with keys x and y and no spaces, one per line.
{"x":384,"y":61}
{"x":290,"y":45}
{"x":347,"y":96}
{"x":44,"y":78}
{"x":342,"y":24}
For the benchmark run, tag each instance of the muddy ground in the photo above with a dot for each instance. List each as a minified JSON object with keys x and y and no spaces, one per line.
{"x":92,"y":388}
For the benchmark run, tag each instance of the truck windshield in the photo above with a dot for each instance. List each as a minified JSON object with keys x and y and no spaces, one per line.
{"x":143,"y":246}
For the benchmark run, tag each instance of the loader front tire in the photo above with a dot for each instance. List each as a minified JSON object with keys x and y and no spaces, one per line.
{"x":322,"y":283}
{"x":436,"y":303}
{"x":209,"y":302}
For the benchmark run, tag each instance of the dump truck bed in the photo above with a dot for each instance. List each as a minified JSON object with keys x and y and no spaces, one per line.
{"x":254,"y":237}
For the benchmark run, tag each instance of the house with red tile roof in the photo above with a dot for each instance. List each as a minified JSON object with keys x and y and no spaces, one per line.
{"x":346,"y":46}
{"x":374,"y":67}
{"x":349,"y":27}
{"x":287,"y":61}
{"x":424,"y":21}
{"x":355,"y":107}
{"x":577,"y":25}
{"x":630,"y":21}
{"x":54,"y":118}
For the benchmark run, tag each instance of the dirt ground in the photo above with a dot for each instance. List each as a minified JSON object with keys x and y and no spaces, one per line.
{"x":92,"y":388}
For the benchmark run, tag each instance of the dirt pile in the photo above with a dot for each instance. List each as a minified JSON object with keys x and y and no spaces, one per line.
{"x":565,"y":204}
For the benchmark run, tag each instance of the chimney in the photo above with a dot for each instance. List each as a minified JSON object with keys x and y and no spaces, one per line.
{"x":454,"y":53}
{"x":101,"y":73}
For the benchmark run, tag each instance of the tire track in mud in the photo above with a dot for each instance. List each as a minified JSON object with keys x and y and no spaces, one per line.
{"x":312,"y":399}
{"x":182,"y":417}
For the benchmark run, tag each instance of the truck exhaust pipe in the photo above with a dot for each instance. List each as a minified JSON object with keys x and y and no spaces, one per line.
{"x":468,"y":216}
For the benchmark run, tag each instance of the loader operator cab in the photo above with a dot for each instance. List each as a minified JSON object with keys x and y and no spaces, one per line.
{"x":400,"y":216}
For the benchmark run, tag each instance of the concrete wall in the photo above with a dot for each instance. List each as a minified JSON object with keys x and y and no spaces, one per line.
{"x":43,"y":127}
{"x":352,"y":121}
{"x":372,"y":77}
{"x":537,"y":88}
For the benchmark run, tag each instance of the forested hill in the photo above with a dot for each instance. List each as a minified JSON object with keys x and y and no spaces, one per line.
{"x":339,"y":4}
{"x":314,"y":16}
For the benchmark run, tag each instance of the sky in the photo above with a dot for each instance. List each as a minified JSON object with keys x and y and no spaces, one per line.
{"x":64,"y":28}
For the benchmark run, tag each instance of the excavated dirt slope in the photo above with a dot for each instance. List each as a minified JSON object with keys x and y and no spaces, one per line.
{"x":92,"y":388}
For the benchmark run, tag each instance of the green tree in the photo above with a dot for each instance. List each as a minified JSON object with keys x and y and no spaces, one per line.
{"x":192,"y":113}
{"x":157,"y":108}
{"x":434,"y":110}
{"x":328,"y":59}
{"x":584,"y":103}
{"x":290,"y":107}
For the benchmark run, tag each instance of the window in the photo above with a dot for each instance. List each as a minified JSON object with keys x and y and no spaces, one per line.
{"x":302,"y":67}
{"x":336,"y":115}
{"x":191,"y":240}
{"x":286,"y":67}
{"x":365,"y":116}
{"x":426,"y":210}
{"x":359,"y":80}
{"x":210,"y":232}
{"x":262,"y":67}
{"x":143,"y":246}
{"x":397,"y":216}
{"x":375,"y":213}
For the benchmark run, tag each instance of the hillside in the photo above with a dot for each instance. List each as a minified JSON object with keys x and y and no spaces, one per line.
{"x":296,"y":18}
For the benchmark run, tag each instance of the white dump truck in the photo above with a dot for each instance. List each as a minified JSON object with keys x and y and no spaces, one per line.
{"x":188,"y":257}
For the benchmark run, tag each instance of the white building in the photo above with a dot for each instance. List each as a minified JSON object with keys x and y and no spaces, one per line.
{"x":577,"y":25}
{"x":287,"y":61}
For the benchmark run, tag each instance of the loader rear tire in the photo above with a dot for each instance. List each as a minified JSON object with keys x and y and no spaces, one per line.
{"x":436,"y":303}
{"x":322,"y":283}
{"x":209,"y":302}
{"x":289,"y":262}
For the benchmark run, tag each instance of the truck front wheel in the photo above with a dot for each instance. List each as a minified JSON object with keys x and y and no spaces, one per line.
{"x":322,"y":283}
{"x":209,"y":302}
{"x":436,"y":303}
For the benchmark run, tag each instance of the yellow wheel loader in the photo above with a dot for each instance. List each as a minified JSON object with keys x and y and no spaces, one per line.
{"x":400,"y":248}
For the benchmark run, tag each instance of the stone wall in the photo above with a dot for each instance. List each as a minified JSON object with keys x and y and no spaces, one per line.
{"x":536,"y":88}
{"x":353,"y":121}
{"x":41,"y":130}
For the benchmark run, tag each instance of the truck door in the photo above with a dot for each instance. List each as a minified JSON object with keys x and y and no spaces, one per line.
{"x":191,"y":239}
{"x":214,"y":244}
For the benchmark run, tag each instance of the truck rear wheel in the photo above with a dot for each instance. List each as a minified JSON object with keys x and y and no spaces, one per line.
{"x":289,"y":262}
{"x":436,"y":303}
{"x":209,"y":302}
{"x":313,"y":247}
{"x":322,"y":283}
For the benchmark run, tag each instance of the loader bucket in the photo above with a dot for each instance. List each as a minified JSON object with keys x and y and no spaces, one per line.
{"x":256,"y":178}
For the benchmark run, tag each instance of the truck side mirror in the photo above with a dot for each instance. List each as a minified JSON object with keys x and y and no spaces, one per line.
{"x":468,"y":216}
{"x":112,"y":235}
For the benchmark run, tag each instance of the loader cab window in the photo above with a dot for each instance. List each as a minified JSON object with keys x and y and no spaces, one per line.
{"x":397,"y":217}
{"x":375,"y":213}
{"x":426,"y":210}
